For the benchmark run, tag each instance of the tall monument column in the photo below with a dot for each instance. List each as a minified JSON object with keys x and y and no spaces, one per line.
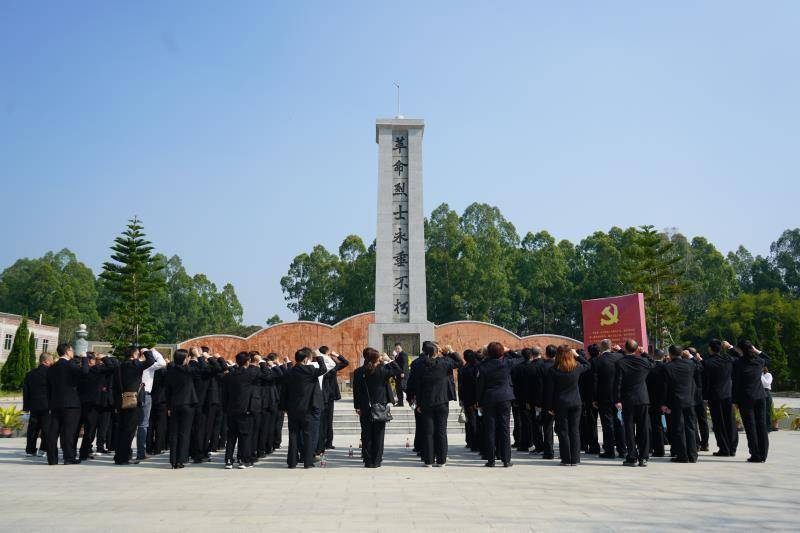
{"x":401,"y":312}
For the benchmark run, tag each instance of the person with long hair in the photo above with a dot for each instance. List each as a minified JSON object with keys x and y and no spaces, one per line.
{"x":495,"y":393}
{"x":749,"y":395}
{"x":428,"y":388}
{"x":562,"y":400}
{"x":369,"y":388}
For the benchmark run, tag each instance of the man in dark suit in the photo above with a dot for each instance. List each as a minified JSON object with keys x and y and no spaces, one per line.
{"x":157,"y":428}
{"x":301,"y":399}
{"x":605,"y":370}
{"x":63,"y":378}
{"x":534,"y":395}
{"x":129,"y":380}
{"x":90,"y":391}
{"x":546,"y":419}
{"x":330,"y":393}
{"x":410,"y":381}
{"x":586,"y":385}
{"x":181,"y":399}
{"x":717,"y":387}
{"x":401,"y":358}
{"x":203,"y":377}
{"x":699,"y":404}
{"x":630,"y":392}
{"x":521,"y":400}
{"x":467,"y":394}
{"x":106,"y":437}
{"x":280,"y":416}
{"x":655,"y":391}
{"x":34,"y":401}
{"x":679,"y":376}
{"x":213,"y":402}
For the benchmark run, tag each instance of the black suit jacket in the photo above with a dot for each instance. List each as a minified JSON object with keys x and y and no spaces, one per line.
{"x":330,"y":385}
{"x":429,"y":382}
{"x":94,"y":382}
{"x":63,"y":378}
{"x":630,"y":385}
{"x":680,"y":383}
{"x":605,"y":369}
{"x":561,"y":388}
{"x":179,"y":386}
{"x":300,"y":390}
{"x":241,"y":389}
{"x":747,"y":387}
{"x":656,"y":385}
{"x":34,"y":390}
{"x":494,"y":381}
{"x":718,"y":377}
{"x":402,"y":362}
{"x":468,"y":385}
{"x":373,"y":386}
{"x":519,"y":382}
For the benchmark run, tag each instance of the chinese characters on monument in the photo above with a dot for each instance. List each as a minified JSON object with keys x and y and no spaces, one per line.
{"x":400,"y":189}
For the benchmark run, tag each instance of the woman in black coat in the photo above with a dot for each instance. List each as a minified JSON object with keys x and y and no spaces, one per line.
{"x":428,"y":387}
{"x":563,"y":400}
{"x":495,"y":393}
{"x":749,"y":395}
{"x":369,"y":387}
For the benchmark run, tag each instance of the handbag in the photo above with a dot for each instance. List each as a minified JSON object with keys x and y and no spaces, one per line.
{"x":461,"y":418}
{"x":378,"y":412}
{"x":133,"y":399}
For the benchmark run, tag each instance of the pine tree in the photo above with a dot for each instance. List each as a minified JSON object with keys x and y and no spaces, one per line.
{"x":17,"y":365}
{"x":31,"y":352}
{"x":131,"y":278}
{"x":654,"y":269}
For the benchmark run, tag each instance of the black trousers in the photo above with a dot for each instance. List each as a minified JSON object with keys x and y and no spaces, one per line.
{"x":613,"y":432}
{"x":240,"y":431}
{"x":322,"y":433}
{"x":636,"y":419}
{"x":38,"y":425}
{"x":63,"y":425}
{"x":90,"y":414}
{"x":278,"y":437}
{"x":683,"y":433}
{"x":525,"y":438}
{"x":515,"y":413}
{"x":434,"y":433}
{"x":497,"y":420}
{"x":258,"y":419}
{"x":724,"y":424}
{"x":104,"y":440}
{"x":126,"y":430}
{"x":471,"y":428}
{"x":157,"y":429}
{"x":329,"y":425}
{"x":197,"y":446}
{"x":266,"y":431}
{"x":180,"y":433}
{"x":372,"y":436}
{"x":222,"y":435}
{"x":657,"y":432}
{"x":589,"y":442}
{"x":754,"y":420}
{"x":536,"y":430}
{"x":702,"y":424}
{"x":546,"y":420}
{"x":399,"y":390}
{"x":301,"y":431}
{"x":568,"y":428}
{"x":213,"y":417}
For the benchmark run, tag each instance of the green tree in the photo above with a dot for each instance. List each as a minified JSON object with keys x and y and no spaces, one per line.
{"x":655,"y":269}
{"x":17,"y":364}
{"x":132,"y":277}
{"x":712,"y":278}
{"x":355,"y":278}
{"x":32,"y":351}
{"x":443,"y":244}
{"x":785,"y":255}
{"x":310,"y":285}
{"x":273,"y":320}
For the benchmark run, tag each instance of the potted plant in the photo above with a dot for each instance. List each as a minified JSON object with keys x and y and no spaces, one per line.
{"x":778,"y":414}
{"x":795,"y":424}
{"x":10,"y":420}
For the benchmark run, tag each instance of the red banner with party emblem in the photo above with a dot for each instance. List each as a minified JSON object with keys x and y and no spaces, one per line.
{"x":618,"y":318}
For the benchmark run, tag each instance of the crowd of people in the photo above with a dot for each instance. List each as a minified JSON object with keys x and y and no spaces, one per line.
{"x":199,"y":403}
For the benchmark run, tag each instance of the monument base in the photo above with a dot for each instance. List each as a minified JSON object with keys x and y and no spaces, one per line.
{"x":411,"y":335}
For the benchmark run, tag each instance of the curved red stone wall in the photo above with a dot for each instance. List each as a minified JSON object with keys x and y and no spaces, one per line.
{"x":349,"y":337}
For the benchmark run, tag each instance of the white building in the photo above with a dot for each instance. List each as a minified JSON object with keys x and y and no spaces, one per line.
{"x":46,"y":336}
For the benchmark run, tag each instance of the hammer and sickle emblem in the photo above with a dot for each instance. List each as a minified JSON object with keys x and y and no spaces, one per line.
{"x":609,"y":315}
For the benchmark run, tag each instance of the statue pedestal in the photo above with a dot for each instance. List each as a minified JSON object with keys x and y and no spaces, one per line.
{"x":383,"y":336}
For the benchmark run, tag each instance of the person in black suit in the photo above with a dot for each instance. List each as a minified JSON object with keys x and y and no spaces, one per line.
{"x":90,"y":392}
{"x":129,"y":380}
{"x":181,"y":400}
{"x":219,"y":427}
{"x":519,"y":381}
{"x":63,"y":378}
{"x":495,"y":393}
{"x":213,"y":401}
{"x":401,"y":358}
{"x":280,"y":416}
{"x":605,"y":369}
{"x":718,"y":390}
{"x":546,"y":420}
{"x":586,"y":385}
{"x":429,"y":388}
{"x":630,"y":395}
{"x":203,"y":377}
{"x":534,"y":394}
{"x":467,"y":394}
{"x":106,"y":417}
{"x":301,"y":400}
{"x":749,"y":395}
{"x":330,"y":393}
{"x":655,"y":391}
{"x":679,"y":380}
{"x":34,"y":402}
{"x":157,"y":429}
{"x":369,"y":388}
{"x":562,"y":400}
{"x":418,"y":434}
{"x":270,"y":400}
{"x":700,"y":412}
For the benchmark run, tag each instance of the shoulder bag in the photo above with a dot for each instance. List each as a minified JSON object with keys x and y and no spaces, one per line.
{"x":378,"y":412}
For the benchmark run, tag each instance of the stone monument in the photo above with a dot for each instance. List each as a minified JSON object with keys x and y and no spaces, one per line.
{"x":79,"y":344}
{"x":401,"y":312}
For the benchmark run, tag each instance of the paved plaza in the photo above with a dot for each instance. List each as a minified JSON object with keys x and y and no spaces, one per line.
{"x":534,"y":495}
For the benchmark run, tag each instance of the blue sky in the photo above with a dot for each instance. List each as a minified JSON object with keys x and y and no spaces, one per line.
{"x":242,"y":133}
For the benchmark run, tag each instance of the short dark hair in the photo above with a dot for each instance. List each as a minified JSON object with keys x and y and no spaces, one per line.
{"x":746,"y":348}
{"x":272,"y":356}
{"x":242,"y":358}
{"x":535,"y":351}
{"x":594,"y":350}
{"x":495,"y":349}
{"x":550,"y":350}
{"x":469,"y":356}
{"x":205,"y":349}
{"x":130,"y":351}
{"x":398,"y":344}
{"x":62,"y":349}
{"x":715,"y":345}
{"x":428,"y":348}
{"x":631,"y":345}
{"x":302,"y":354}
{"x":659,"y":355}
{"x":324,"y":349}
{"x":527,"y":354}
{"x":180,"y":356}
{"x":675,"y":350}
